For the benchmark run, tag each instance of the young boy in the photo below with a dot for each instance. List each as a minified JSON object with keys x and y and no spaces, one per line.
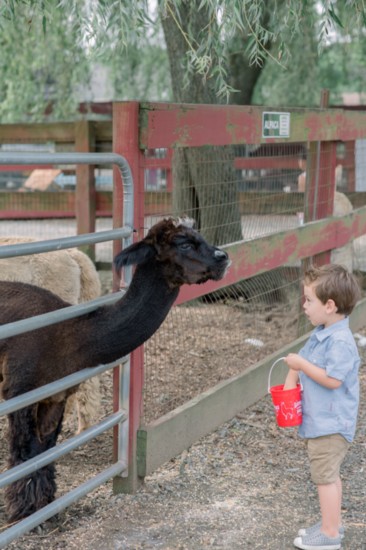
{"x":327,"y":367}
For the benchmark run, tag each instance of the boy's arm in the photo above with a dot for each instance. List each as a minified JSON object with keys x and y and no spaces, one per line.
{"x":292,"y":380}
{"x":319,"y":375}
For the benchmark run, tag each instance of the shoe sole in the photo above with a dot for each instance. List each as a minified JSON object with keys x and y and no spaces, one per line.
{"x":298,"y":543}
{"x":304,"y":532}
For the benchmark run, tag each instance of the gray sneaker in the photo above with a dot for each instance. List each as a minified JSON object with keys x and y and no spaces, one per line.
{"x":317,"y":541}
{"x":316,"y":527}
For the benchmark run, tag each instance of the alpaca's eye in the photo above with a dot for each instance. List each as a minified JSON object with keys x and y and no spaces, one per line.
{"x":186,"y":246}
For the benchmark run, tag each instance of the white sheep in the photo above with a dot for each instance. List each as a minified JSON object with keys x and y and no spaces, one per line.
{"x":344,"y":255}
{"x":72,"y":276}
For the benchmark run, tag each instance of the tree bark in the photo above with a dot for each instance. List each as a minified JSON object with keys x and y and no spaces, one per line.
{"x":244,"y":76}
{"x":205,"y":181}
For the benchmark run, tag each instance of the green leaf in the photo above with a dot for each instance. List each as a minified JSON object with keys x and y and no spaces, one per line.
{"x":335,"y":18}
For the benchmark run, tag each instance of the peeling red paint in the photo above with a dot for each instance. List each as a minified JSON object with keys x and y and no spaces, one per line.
{"x":258,"y":255}
{"x":332,"y":124}
{"x":174,"y":125}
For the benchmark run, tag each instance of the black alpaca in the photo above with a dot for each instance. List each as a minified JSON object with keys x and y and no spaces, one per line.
{"x":171,"y":255}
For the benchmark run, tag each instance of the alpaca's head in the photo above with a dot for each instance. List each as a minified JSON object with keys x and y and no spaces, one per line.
{"x":181,"y":251}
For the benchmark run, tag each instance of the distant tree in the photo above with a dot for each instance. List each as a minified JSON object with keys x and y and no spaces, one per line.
{"x":37,"y":69}
{"x":335,"y":62}
{"x":49,"y":58}
{"x":48,"y":46}
{"x":298,"y":83}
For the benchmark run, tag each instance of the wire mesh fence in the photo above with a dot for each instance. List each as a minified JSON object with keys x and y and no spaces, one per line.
{"x":212,"y":339}
{"x":219,"y":336}
{"x":234,"y":193}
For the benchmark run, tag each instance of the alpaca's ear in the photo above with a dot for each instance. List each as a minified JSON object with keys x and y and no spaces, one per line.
{"x":137,"y":253}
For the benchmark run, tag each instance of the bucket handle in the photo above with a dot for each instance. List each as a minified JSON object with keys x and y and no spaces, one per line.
{"x":270,"y":372}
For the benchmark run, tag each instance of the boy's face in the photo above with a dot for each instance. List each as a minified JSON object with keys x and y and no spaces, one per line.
{"x":315,"y":310}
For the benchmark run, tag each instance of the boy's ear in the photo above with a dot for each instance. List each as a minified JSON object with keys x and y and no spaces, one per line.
{"x":331,"y":306}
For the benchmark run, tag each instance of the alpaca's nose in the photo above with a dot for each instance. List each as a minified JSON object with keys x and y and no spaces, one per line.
{"x":220,"y":254}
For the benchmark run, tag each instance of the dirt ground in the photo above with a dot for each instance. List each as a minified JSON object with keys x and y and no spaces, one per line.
{"x":244,"y":486}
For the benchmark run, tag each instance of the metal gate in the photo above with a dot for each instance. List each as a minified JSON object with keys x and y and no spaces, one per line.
{"x":118,"y":418}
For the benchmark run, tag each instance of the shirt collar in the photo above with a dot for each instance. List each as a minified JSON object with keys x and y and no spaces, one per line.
{"x":321,"y":333}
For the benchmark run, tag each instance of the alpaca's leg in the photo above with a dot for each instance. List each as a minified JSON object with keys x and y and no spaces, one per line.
{"x":27,"y":495}
{"x":32,"y":431}
{"x":87,"y":402}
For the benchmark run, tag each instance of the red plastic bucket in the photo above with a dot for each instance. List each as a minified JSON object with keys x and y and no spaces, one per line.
{"x":287,"y":403}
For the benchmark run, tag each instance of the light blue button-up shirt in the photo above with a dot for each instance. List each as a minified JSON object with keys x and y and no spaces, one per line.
{"x":326,"y":411}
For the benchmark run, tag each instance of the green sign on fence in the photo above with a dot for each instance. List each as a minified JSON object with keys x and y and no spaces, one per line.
{"x":276,"y":125}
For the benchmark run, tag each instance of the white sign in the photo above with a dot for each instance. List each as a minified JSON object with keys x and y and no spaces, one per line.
{"x":276,"y":125}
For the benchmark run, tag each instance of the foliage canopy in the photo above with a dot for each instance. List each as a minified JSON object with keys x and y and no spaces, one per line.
{"x":49,"y":47}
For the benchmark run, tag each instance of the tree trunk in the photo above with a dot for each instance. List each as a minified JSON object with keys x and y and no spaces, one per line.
{"x":243,"y":75}
{"x":205,"y":181}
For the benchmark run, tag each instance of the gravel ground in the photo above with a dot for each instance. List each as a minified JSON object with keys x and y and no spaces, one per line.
{"x":245,"y":486}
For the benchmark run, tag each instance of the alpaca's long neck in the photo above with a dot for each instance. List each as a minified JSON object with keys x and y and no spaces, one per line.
{"x":121,"y":328}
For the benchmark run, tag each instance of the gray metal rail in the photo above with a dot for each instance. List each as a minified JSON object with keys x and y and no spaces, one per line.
{"x":60,"y":385}
{"x":41,"y":460}
{"x":84,"y":158}
{"x":25,"y":249}
{"x":57,"y":316}
{"x":60,"y":504}
{"x":119,"y":418}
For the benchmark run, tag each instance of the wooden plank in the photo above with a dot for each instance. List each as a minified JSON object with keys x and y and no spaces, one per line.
{"x":160,"y":202}
{"x":26,"y":204}
{"x":178,"y":430}
{"x":85,"y":184}
{"x":256,"y":256}
{"x":176,"y":125}
{"x":60,"y":204}
{"x":59,"y":132}
{"x":267,"y":163}
{"x":321,"y":186}
{"x":250,"y":202}
{"x":125,"y":143}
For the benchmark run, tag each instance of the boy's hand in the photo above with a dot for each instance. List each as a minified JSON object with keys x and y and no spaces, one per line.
{"x":297,"y":363}
{"x":294,"y":361}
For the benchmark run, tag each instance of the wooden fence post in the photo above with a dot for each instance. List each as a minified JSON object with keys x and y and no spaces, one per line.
{"x":85,"y":193}
{"x":321,"y":181}
{"x":126,"y":143}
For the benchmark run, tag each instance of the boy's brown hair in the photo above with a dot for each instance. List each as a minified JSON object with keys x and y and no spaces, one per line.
{"x":334,"y":282}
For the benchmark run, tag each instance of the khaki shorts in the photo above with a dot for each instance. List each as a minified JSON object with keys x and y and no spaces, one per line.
{"x":326,"y":455}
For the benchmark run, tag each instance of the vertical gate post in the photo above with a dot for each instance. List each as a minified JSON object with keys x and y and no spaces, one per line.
{"x":126,"y":143}
{"x":321,"y":180}
{"x":321,"y":186}
{"x":85,"y":194}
